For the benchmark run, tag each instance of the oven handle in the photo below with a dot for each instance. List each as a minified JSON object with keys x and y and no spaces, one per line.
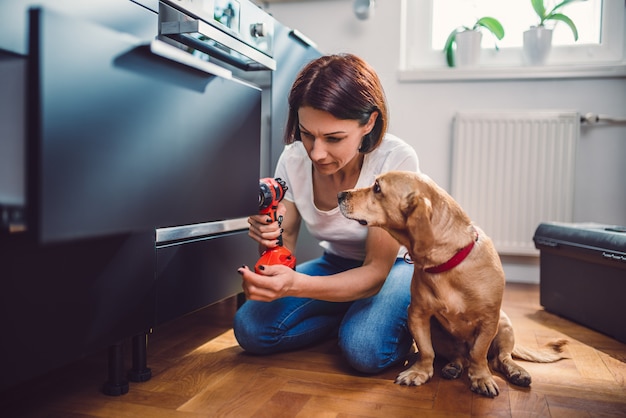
{"x":203,"y":230}
{"x":180,"y":30}
{"x":172,"y":53}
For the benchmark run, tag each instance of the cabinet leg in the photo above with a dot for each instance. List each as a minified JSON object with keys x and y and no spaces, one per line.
{"x":117,"y":384}
{"x":140,"y":372}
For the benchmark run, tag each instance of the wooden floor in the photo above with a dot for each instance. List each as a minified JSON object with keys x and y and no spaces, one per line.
{"x":200,"y":371}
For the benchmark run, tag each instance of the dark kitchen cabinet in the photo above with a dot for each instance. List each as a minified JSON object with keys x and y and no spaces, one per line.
{"x":61,"y":302}
{"x":117,"y":143}
{"x":200,"y":272}
{"x":130,"y":141}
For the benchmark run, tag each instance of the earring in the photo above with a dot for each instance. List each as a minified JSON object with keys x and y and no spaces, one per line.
{"x":365,"y":141}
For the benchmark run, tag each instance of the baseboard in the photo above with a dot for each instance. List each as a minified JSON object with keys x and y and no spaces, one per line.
{"x":521,"y":269}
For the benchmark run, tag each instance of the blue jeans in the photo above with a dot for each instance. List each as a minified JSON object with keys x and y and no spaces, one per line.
{"x":372,"y":332}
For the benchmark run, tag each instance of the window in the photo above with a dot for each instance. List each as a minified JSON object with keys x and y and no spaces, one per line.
{"x":427,"y":23}
{"x":516,"y":17}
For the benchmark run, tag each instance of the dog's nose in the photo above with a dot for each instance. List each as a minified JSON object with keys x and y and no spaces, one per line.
{"x":341,"y":196}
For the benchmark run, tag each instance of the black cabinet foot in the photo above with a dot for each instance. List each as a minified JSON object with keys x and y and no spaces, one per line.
{"x":117,"y":384}
{"x":140,"y":372}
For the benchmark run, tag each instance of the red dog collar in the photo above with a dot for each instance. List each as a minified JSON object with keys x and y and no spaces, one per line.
{"x":454,"y":261}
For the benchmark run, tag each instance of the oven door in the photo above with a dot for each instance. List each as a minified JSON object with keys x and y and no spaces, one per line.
{"x":123,"y":137}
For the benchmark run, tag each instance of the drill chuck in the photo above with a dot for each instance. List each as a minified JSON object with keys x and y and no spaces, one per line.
{"x":271,"y":191}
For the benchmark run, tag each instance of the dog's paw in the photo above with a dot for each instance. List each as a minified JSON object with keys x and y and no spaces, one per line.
{"x":452,"y":371}
{"x":513,"y":372}
{"x":414,"y":376}
{"x":520,"y":378}
{"x":485,"y":386}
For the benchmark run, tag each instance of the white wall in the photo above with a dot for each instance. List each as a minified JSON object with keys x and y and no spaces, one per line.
{"x":421,"y":113}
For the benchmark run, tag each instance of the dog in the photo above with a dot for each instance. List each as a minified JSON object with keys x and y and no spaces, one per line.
{"x":457,"y":285}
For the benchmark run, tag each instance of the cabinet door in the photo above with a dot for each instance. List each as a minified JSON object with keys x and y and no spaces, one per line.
{"x":196,"y":273}
{"x":122,"y":140}
{"x":63,"y":301}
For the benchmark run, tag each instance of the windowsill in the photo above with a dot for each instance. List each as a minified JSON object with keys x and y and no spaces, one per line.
{"x":514,"y":73}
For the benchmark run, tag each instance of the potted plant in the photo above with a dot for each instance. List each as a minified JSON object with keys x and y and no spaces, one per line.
{"x":538,"y":39}
{"x":462,"y":47}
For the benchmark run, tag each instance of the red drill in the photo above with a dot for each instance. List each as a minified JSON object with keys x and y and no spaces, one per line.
{"x":272,"y":191}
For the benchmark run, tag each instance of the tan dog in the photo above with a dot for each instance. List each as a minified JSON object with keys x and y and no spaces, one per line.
{"x":457,"y":285}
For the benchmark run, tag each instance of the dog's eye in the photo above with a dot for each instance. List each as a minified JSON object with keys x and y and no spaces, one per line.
{"x":376,"y":188}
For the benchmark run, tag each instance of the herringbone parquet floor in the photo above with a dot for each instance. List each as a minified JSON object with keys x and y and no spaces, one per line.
{"x":200,"y":371}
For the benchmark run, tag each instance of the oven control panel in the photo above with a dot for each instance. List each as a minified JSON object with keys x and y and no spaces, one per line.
{"x":241,"y":19}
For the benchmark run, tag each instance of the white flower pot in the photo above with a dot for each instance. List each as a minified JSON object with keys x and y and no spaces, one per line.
{"x":467,"y":52}
{"x":537,"y":45}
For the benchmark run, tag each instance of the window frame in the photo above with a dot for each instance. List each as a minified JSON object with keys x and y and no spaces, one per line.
{"x":419,"y":61}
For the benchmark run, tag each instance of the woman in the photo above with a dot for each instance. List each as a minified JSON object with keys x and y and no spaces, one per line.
{"x":359,"y":290}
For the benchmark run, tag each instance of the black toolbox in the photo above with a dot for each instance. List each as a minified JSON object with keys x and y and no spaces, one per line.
{"x":583,"y":274}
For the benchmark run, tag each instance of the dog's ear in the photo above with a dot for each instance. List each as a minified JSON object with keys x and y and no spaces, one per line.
{"x":418,"y":212}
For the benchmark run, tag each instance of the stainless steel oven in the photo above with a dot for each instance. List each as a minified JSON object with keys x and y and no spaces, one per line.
{"x":197,"y":262}
{"x":234,"y":31}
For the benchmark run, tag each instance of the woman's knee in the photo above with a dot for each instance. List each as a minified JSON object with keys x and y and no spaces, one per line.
{"x":368,"y":353}
{"x":251,"y":335}
{"x":372,"y":341}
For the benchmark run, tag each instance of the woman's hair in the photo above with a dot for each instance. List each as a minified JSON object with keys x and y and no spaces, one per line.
{"x":346,"y":87}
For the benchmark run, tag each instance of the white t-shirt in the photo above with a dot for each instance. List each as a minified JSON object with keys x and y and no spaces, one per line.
{"x":337,"y":234}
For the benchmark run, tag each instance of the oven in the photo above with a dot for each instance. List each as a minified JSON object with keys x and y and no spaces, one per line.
{"x":233,"y":31}
{"x":197,"y":262}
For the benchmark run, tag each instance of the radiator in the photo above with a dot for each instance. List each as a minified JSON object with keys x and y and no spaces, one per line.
{"x":513,"y":170}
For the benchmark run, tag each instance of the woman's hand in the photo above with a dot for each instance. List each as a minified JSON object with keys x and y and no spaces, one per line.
{"x":265,"y":231}
{"x":275,"y":282}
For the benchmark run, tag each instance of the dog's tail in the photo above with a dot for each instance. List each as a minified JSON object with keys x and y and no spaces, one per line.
{"x":549,"y":353}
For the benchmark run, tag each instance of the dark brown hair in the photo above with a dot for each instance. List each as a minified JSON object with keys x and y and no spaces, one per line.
{"x":346,"y":87}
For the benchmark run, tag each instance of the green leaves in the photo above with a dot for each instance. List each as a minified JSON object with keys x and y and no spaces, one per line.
{"x":449,"y":47}
{"x":491,"y":24}
{"x":540,"y":9}
{"x":554,"y":14}
{"x":495,"y":27}
{"x":568,"y":21}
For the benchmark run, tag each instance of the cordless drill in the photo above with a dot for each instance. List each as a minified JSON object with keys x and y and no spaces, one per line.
{"x":272,"y":191}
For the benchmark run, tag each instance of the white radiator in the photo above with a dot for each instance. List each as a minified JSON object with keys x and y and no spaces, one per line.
{"x":514,"y":170}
